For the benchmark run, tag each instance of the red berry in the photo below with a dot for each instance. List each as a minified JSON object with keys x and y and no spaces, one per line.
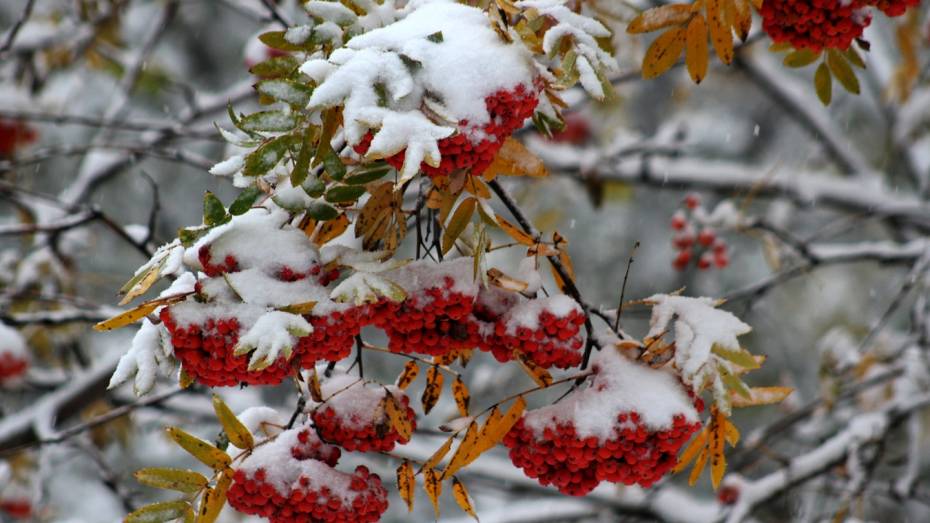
{"x":692,"y":201}
{"x":678,"y":221}
{"x":815,"y":24}
{"x":721,"y":260}
{"x":895,"y":7}
{"x":706,"y":237}
{"x":704,"y":262}
{"x":682,"y":260}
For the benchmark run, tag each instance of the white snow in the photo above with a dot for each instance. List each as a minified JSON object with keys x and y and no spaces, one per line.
{"x":526,"y":313}
{"x":420,"y":275}
{"x":148,"y":354}
{"x":229,"y":166}
{"x":12,"y":342}
{"x":698,"y":326}
{"x":274,"y":333}
{"x":357,"y":402}
{"x":262,"y":421}
{"x":619,"y":386}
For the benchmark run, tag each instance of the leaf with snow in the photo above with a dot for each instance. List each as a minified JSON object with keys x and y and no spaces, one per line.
{"x":363,"y":287}
{"x":148,"y":354}
{"x":274,"y":334}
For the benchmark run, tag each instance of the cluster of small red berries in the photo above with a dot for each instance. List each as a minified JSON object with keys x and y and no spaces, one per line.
{"x":310,"y":446}
{"x":556,"y":342}
{"x":14,"y":134}
{"x":815,"y":24}
{"x":703,"y":247}
{"x":434,"y":321}
{"x":323,"y":277}
{"x":206,"y":352}
{"x":12,"y":366}
{"x":229,"y":263}
{"x":895,"y":7}
{"x":252,"y":494}
{"x":332,"y":337}
{"x":333,"y":426}
{"x":16,"y":508}
{"x":507,"y":111}
{"x":575,"y":465}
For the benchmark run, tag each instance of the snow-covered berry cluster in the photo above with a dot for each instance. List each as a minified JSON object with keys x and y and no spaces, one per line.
{"x":545,"y":330}
{"x":695,"y":240}
{"x":433,"y":321}
{"x":625,"y":427}
{"x":291,"y":478}
{"x":473,"y":149}
{"x":816,"y":24}
{"x":353,"y":416}
{"x":14,"y":358}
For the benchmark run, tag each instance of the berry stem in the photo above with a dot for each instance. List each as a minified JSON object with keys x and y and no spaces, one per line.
{"x":626,"y":276}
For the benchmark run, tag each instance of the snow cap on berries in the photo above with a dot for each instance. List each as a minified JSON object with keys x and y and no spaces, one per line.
{"x":618,"y":386}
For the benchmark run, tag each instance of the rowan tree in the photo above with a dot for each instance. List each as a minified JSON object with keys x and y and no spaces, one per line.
{"x":386,"y":258}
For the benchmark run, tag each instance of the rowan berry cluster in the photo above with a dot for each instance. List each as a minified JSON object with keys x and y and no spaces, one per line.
{"x":613,"y":440}
{"x":14,"y":356}
{"x":895,"y":7}
{"x":696,"y":240}
{"x":292,"y":478}
{"x":473,"y":148}
{"x":353,"y":415}
{"x":12,"y":366}
{"x":816,"y":24}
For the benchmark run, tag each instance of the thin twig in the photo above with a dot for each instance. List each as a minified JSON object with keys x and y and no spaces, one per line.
{"x":626,"y":276}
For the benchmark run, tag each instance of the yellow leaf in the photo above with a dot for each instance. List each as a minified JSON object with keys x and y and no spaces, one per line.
{"x":460,"y":219}
{"x":405,"y":483}
{"x":801,"y":58}
{"x":164,"y":511}
{"x":823,"y":83}
{"x":514,"y":159}
{"x":475,"y":186}
{"x":486,"y":439}
{"x":140,"y":283}
{"x":299,"y":308}
{"x":463,"y":452}
{"x":411,"y":369}
{"x":539,"y":374}
{"x":213,"y":499}
{"x":137,"y":313}
{"x":200,"y":449}
{"x":664,"y":52}
{"x":462,"y":397}
{"x":186,"y":481}
{"x":502,"y":281}
{"x":433,"y":389}
{"x":462,"y":498}
{"x":731,"y":433}
{"x":332,"y":229}
{"x":842,"y":71}
{"x":238,"y":434}
{"x":313,"y":384}
{"x":698,"y":467}
{"x":696,"y":52}
{"x":853,"y":57}
{"x":433,"y":487}
{"x":741,"y":18}
{"x":185,"y":380}
{"x":659,"y":17}
{"x":696,"y":445}
{"x":761,"y":396}
{"x":720,"y":33}
{"x":438,"y":455}
{"x":397,"y":415}
{"x":509,"y":419}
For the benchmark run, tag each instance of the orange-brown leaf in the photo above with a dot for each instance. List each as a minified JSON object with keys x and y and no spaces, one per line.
{"x":457,"y":223}
{"x":332,"y":229}
{"x":720,"y":33}
{"x":464,"y":452}
{"x":461,"y":395}
{"x":433,"y":486}
{"x":462,"y":498}
{"x":659,"y":17}
{"x":405,"y":483}
{"x":515,"y":232}
{"x":761,"y":396}
{"x":438,"y":455}
{"x":316,"y":392}
{"x":664,"y":52}
{"x":514,"y":159}
{"x":697,"y":55}
{"x":433,"y":389}
{"x":696,"y":445}
{"x":539,"y":374}
{"x":397,"y":415}
{"x":411,"y":370}
{"x":718,"y":461}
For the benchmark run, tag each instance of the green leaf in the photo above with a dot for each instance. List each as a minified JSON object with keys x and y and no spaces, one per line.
{"x":244,"y":201}
{"x":733,"y":383}
{"x":214,"y":212}
{"x":276,"y":40}
{"x":190,"y":235}
{"x":457,"y":223}
{"x":302,"y":164}
{"x":276,"y":66}
{"x":263,"y":159}
{"x":853,"y":56}
{"x":801,"y":58}
{"x":368,"y":174}
{"x":741,"y":357}
{"x":232,"y":114}
{"x":322,"y":212}
{"x":435,"y":37}
{"x":160,"y":512}
{"x":288,"y":91}
{"x":823,"y":83}
{"x":268,"y":121}
{"x":842,"y":71}
{"x":186,"y":481}
{"x":313,"y":186}
{"x":344,"y":193}
{"x":333,"y":164}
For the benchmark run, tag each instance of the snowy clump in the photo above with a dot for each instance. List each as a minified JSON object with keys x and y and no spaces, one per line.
{"x":149,"y":354}
{"x":441,"y":55}
{"x":619,"y":385}
{"x":454,"y":276}
{"x":14,"y":357}
{"x":582,"y":32}
{"x":262,"y":421}
{"x":274,"y":333}
{"x":358,"y":402}
{"x":699,"y":326}
{"x":528,"y":313}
